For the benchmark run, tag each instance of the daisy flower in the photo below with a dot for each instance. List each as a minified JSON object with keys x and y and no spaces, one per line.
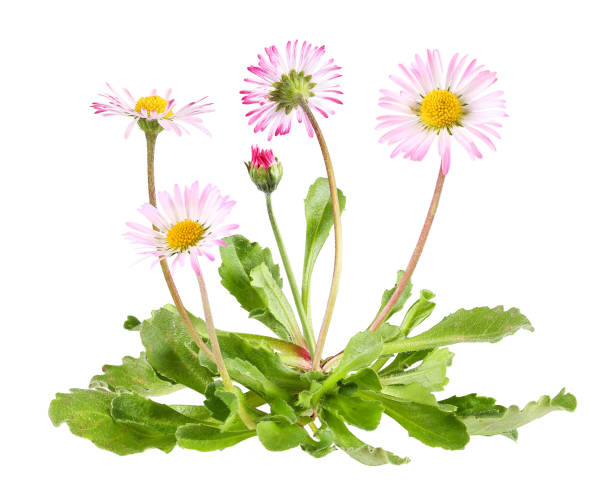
{"x":285,"y":81}
{"x":153,"y":112}
{"x":445,"y":104}
{"x":189,"y":224}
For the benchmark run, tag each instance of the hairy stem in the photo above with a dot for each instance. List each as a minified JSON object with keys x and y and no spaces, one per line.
{"x":216,"y":350}
{"x":306,"y":326}
{"x":151,"y":138}
{"x":416,"y":254}
{"x":333,"y":292}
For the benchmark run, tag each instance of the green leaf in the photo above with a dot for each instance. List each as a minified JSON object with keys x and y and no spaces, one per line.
{"x":428,"y":424}
{"x":399,"y":305}
{"x":402,"y":361}
{"x":88,"y":414}
{"x":475,"y":405}
{"x":364,"y":379}
{"x":418,"y":312}
{"x":362,"y":413}
{"x":248,"y":375}
{"x":264,"y":359}
{"x":132,"y":323}
{"x":481,"y":324}
{"x":431,"y":373}
{"x":514,"y":417}
{"x":278,"y":435}
{"x":357,"y":449}
{"x":321,"y":447}
{"x":275,"y":302}
{"x":172,"y":352}
{"x":411,"y":392}
{"x":361,"y":350}
{"x":206,"y":439}
{"x":238,"y":259}
{"x":133,"y":375}
{"x":198,"y":413}
{"x":319,"y":221}
{"x":137,"y":411}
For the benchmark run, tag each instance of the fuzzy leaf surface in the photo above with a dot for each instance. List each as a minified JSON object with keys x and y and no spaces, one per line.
{"x":171,"y":351}
{"x":319,"y":221}
{"x":362,"y":413}
{"x":275,"y":302}
{"x":399,"y":305}
{"x":207,"y":439}
{"x":514,"y":417}
{"x":481,"y":324}
{"x":426,"y":423}
{"x":133,"y":375}
{"x":238,"y":259}
{"x":88,"y":414}
{"x":420,"y":310}
{"x":431,"y":373}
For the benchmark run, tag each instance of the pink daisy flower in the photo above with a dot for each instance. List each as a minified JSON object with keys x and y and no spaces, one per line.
{"x":284,"y":81}
{"x":445,"y":104}
{"x":189,"y":224}
{"x":153,"y":109}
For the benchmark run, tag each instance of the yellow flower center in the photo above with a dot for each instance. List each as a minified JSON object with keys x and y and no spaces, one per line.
{"x":185,"y":234}
{"x":440,"y":109}
{"x":153,"y":103}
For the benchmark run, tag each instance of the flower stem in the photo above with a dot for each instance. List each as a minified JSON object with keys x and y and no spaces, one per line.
{"x":216,"y":350}
{"x":416,"y":254}
{"x":151,"y":138}
{"x":306,"y":326}
{"x":333,"y":190}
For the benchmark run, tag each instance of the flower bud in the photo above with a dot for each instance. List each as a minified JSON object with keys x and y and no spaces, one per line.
{"x":264,"y":169}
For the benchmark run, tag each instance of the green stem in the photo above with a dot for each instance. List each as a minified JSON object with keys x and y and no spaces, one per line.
{"x":416,"y":254}
{"x":306,"y":326}
{"x":151,"y":138}
{"x":333,"y":190}
{"x":218,"y":356}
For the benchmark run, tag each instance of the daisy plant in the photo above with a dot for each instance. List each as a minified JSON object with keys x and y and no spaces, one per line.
{"x":281,"y":388}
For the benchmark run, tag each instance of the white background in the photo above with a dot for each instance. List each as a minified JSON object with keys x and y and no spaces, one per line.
{"x":527,"y":226}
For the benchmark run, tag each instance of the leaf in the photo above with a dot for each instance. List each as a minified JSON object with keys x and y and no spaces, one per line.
{"x":431,"y":373}
{"x":132,"y":323}
{"x":361,"y":350}
{"x":206,"y":439}
{"x":87,"y":414}
{"x":420,"y":310}
{"x":362,"y":413}
{"x":281,"y":410}
{"x":198,"y":413}
{"x":248,"y":375}
{"x":402,"y":361}
{"x":275,"y":302}
{"x":364,"y":379}
{"x":321,"y":447}
{"x":262,"y":357}
{"x":133,"y":375}
{"x":319,"y":221}
{"x":481,"y":324}
{"x":399,"y":305}
{"x":357,"y":449}
{"x":139,"y":412}
{"x":172,"y":352}
{"x":514,"y":417}
{"x":278,"y":435}
{"x":411,"y":392}
{"x":428,"y":424}
{"x":475,"y":405}
{"x":238,"y":259}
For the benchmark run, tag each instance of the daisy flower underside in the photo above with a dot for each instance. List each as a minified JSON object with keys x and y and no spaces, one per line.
{"x":189,"y":224}
{"x":153,"y":109}
{"x":433,"y":102}
{"x":284,"y":81}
